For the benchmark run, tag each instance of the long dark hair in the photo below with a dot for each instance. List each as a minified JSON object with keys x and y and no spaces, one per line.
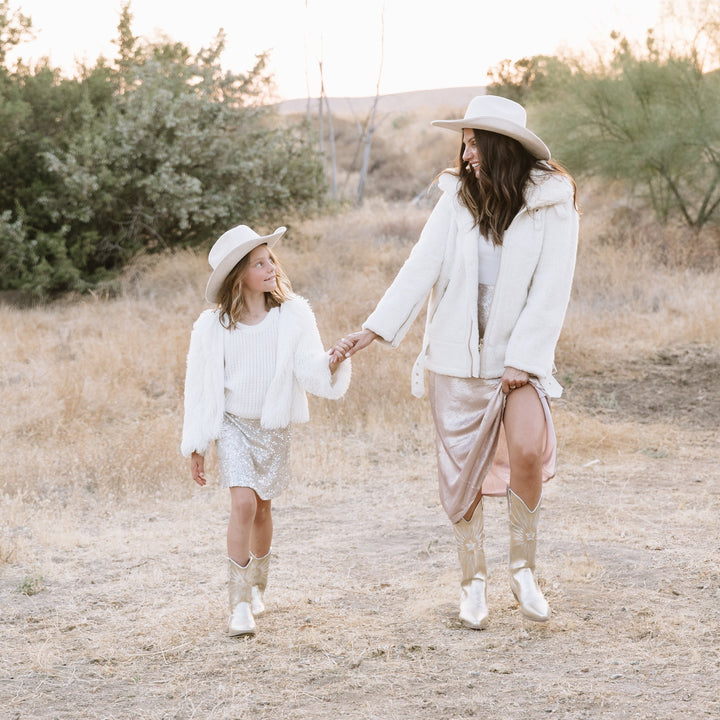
{"x":497,"y":195}
{"x":231,"y":302}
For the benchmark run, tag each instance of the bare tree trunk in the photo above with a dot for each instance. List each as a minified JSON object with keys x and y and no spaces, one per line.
{"x":331,"y":134}
{"x":367,"y":135}
{"x":367,"y":139}
{"x":321,"y":128}
{"x":308,"y":111}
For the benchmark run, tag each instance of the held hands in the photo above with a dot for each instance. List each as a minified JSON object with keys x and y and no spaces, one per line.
{"x":512,"y":379}
{"x":348,"y":346}
{"x":338,"y":353}
{"x":357,"y":341}
{"x":197,"y":468}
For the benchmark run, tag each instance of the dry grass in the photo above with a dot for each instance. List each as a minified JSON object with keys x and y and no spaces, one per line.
{"x":112,"y":560}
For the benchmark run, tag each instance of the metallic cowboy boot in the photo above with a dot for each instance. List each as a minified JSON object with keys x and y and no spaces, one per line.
{"x":262,"y":565}
{"x":469,"y":537}
{"x":241,"y":620}
{"x":523,"y":540}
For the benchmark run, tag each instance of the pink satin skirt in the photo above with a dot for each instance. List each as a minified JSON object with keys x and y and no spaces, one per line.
{"x":472,"y":452}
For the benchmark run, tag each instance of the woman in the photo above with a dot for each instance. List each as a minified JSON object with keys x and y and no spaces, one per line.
{"x":250,"y":363}
{"x":497,"y":256}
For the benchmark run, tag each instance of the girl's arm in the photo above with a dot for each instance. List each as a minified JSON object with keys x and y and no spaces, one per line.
{"x":203,"y":397}
{"x":319,"y":372}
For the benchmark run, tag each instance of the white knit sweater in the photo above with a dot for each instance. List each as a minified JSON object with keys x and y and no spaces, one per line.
{"x":250,"y":352}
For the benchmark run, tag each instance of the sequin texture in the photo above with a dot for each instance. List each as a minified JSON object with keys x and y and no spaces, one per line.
{"x":252,"y":456}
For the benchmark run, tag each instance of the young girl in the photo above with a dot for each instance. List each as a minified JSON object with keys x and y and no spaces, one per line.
{"x":251,"y":359}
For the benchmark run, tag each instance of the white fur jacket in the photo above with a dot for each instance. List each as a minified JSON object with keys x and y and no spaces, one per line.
{"x":531,"y":293}
{"x":301,"y":365}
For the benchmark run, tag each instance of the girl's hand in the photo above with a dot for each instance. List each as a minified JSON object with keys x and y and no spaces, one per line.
{"x":338,"y":353}
{"x":197,"y":468}
{"x":358,"y":341}
{"x":512,"y":379}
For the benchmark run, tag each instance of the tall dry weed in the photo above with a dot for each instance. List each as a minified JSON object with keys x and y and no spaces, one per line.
{"x":632,"y":296}
{"x":92,"y":389}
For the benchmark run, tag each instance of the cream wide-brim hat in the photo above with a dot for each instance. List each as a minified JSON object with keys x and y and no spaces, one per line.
{"x":229,"y":249}
{"x":499,"y":115}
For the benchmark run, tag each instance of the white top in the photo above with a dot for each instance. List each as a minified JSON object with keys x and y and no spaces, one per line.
{"x":250,"y":356}
{"x":488,"y":261}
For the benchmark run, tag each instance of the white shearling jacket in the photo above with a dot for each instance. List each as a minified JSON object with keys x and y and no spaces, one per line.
{"x":301,"y":365}
{"x":531,"y":293}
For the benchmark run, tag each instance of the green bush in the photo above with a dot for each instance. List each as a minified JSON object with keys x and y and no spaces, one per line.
{"x":160,"y":149}
{"x":646,"y":116}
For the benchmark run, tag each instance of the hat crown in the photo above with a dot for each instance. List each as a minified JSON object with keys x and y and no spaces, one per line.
{"x":228,"y":241}
{"x":487,"y":106}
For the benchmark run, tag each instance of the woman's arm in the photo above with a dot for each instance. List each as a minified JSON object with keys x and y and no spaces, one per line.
{"x":531,"y":346}
{"x":406,"y":296}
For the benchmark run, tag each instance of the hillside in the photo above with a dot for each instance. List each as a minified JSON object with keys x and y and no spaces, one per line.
{"x":393,"y":103}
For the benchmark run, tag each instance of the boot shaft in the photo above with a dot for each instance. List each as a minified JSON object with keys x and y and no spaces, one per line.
{"x":262,"y":568}
{"x":470,"y":540}
{"x":523,"y":532}
{"x":523,"y":542}
{"x":240,"y":582}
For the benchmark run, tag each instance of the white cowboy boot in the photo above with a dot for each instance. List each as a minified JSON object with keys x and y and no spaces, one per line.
{"x":240,"y":578}
{"x":523,"y":541}
{"x":469,"y":537}
{"x":262,"y":565}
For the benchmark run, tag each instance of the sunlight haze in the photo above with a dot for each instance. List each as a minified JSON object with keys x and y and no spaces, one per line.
{"x":426,"y":45}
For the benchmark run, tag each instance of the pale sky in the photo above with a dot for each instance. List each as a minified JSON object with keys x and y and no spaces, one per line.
{"x":428,"y":44}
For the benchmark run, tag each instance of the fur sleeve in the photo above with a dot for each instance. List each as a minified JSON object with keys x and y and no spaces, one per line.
{"x":531,"y":346}
{"x":311,"y":361}
{"x":403,"y":300}
{"x":204,"y":391}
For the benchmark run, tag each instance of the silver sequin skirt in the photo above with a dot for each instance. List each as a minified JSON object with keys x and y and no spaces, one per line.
{"x":252,"y":456}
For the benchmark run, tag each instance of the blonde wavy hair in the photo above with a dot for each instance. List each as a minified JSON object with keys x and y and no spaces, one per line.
{"x":231,"y":303}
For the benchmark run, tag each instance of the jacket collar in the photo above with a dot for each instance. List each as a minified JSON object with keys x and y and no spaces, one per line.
{"x":544,"y":189}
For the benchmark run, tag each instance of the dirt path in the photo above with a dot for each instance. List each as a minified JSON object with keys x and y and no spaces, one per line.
{"x":362,"y":607}
{"x":126,"y":618}
{"x":676,"y":385}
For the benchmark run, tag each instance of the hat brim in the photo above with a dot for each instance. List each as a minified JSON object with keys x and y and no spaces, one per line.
{"x":531,"y":142}
{"x":225,"y":266}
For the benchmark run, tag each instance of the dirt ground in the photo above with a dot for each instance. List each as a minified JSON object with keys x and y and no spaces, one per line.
{"x":117,"y":607}
{"x":674,"y":385}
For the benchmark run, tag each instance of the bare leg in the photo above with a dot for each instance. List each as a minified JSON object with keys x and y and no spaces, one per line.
{"x":468,"y":515}
{"x":525,"y":430}
{"x":262,"y":529}
{"x":243,"y":508}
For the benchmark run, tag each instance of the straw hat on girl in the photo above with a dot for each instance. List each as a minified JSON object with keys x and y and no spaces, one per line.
{"x":229,"y":249}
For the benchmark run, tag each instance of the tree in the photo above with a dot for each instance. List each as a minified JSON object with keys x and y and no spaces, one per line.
{"x":648,"y":118}
{"x":368,"y":131}
{"x":536,"y":77}
{"x":14,"y":27}
{"x":161,"y":149}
